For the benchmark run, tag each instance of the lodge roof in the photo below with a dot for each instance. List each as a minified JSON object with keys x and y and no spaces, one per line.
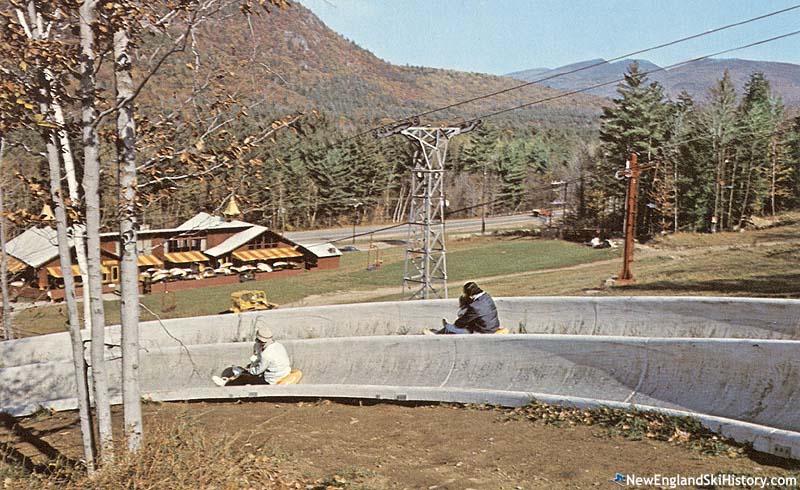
{"x":322,"y":250}
{"x":236,"y":241}
{"x":35,"y":247}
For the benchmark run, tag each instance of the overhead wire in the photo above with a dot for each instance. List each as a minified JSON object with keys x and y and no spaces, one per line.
{"x":579,"y":69}
{"x":715,"y":30}
{"x":339,"y":141}
{"x":648,"y":72}
{"x":587,"y":67}
{"x":542,"y":187}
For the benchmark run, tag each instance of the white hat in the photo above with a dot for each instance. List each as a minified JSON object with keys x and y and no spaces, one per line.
{"x":264,"y":334}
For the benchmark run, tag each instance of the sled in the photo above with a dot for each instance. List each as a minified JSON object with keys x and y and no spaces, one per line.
{"x":233,"y":372}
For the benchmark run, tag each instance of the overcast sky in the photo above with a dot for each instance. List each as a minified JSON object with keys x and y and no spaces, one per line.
{"x":502,"y":36}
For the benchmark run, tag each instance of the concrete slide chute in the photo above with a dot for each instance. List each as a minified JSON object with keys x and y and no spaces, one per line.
{"x":701,"y":365}
{"x":745,"y":318}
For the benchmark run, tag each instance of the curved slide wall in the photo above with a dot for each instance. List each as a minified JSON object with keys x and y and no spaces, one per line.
{"x":623,"y":316}
{"x":732,"y":362}
{"x":750,"y":381}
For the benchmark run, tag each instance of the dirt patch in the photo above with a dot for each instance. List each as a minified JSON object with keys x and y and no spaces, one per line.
{"x":343,"y":297}
{"x":386,"y":446}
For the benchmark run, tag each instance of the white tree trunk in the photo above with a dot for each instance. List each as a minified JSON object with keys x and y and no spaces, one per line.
{"x":78,"y":229}
{"x":129,"y":266}
{"x":8,"y":330}
{"x":91,"y":183}
{"x":79,"y":361}
{"x":76,"y":340}
{"x":772,"y":185}
{"x":675,"y":190}
{"x":34,"y":29}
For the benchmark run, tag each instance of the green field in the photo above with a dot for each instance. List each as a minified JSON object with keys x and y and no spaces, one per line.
{"x":760,"y":263}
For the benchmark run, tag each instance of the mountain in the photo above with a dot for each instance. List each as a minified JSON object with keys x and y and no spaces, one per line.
{"x":292,"y":61}
{"x":695,"y":78}
{"x":585,"y":77}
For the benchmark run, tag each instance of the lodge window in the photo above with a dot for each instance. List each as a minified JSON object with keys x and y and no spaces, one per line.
{"x":144,"y":247}
{"x":184,"y":245}
{"x":266,"y":240}
{"x":115,"y":274}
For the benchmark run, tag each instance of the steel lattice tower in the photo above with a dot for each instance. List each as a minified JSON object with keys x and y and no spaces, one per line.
{"x":425,"y":270}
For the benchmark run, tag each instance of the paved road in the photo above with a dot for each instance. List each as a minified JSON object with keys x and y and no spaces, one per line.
{"x":462,"y":225}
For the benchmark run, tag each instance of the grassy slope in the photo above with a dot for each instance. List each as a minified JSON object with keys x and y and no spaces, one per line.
{"x":762,"y":263}
{"x":755,"y":263}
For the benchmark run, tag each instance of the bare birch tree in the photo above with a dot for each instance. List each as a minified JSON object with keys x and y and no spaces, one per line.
{"x":8,"y":331}
{"x":91,"y":189}
{"x":129,"y":266}
{"x":76,"y":340}
{"x":34,"y":80}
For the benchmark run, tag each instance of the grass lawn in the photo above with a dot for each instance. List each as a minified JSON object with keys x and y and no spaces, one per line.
{"x":760,"y":263}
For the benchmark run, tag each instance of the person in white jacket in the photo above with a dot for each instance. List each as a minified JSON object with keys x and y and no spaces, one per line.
{"x":268,"y":364}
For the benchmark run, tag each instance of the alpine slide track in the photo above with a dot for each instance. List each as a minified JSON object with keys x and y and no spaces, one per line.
{"x":732,"y":363}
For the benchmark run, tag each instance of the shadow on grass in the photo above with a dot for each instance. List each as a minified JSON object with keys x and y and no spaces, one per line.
{"x":10,"y":452}
{"x":776,"y":237}
{"x":771,"y":460}
{"x":778,"y":285}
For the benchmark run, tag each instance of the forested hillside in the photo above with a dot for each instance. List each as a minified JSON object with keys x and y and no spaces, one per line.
{"x":291,"y":61}
{"x":709,"y":167}
{"x":264,"y":107}
{"x":237,"y":74}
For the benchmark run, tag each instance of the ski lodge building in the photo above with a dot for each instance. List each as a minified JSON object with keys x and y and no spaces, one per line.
{"x":204,"y":251}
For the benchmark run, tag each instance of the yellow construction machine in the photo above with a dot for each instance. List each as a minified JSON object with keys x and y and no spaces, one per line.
{"x":250,"y":300}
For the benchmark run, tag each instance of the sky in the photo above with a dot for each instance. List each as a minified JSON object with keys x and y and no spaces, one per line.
{"x":503,"y":36}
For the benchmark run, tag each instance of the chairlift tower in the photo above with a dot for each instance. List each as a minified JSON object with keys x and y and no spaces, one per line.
{"x":425,"y":268}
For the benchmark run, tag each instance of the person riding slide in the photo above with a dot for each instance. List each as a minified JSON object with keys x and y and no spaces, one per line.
{"x":268,"y":364}
{"x":480,"y":315}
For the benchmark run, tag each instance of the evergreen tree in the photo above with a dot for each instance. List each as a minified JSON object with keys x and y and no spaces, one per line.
{"x":762,"y":174}
{"x":637,"y":122}
{"x":670,"y":194}
{"x":716,"y":130}
{"x":511,"y":169}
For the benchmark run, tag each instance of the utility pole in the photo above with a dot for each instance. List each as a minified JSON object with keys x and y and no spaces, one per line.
{"x":483,"y":201}
{"x":631,"y":172}
{"x":425,"y":268}
{"x":355,"y":203}
{"x":558,"y":185}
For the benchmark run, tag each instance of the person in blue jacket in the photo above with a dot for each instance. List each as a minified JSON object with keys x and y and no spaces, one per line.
{"x":480,"y":314}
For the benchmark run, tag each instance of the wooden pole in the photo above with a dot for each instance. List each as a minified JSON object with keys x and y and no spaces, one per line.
{"x":626,"y":275}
